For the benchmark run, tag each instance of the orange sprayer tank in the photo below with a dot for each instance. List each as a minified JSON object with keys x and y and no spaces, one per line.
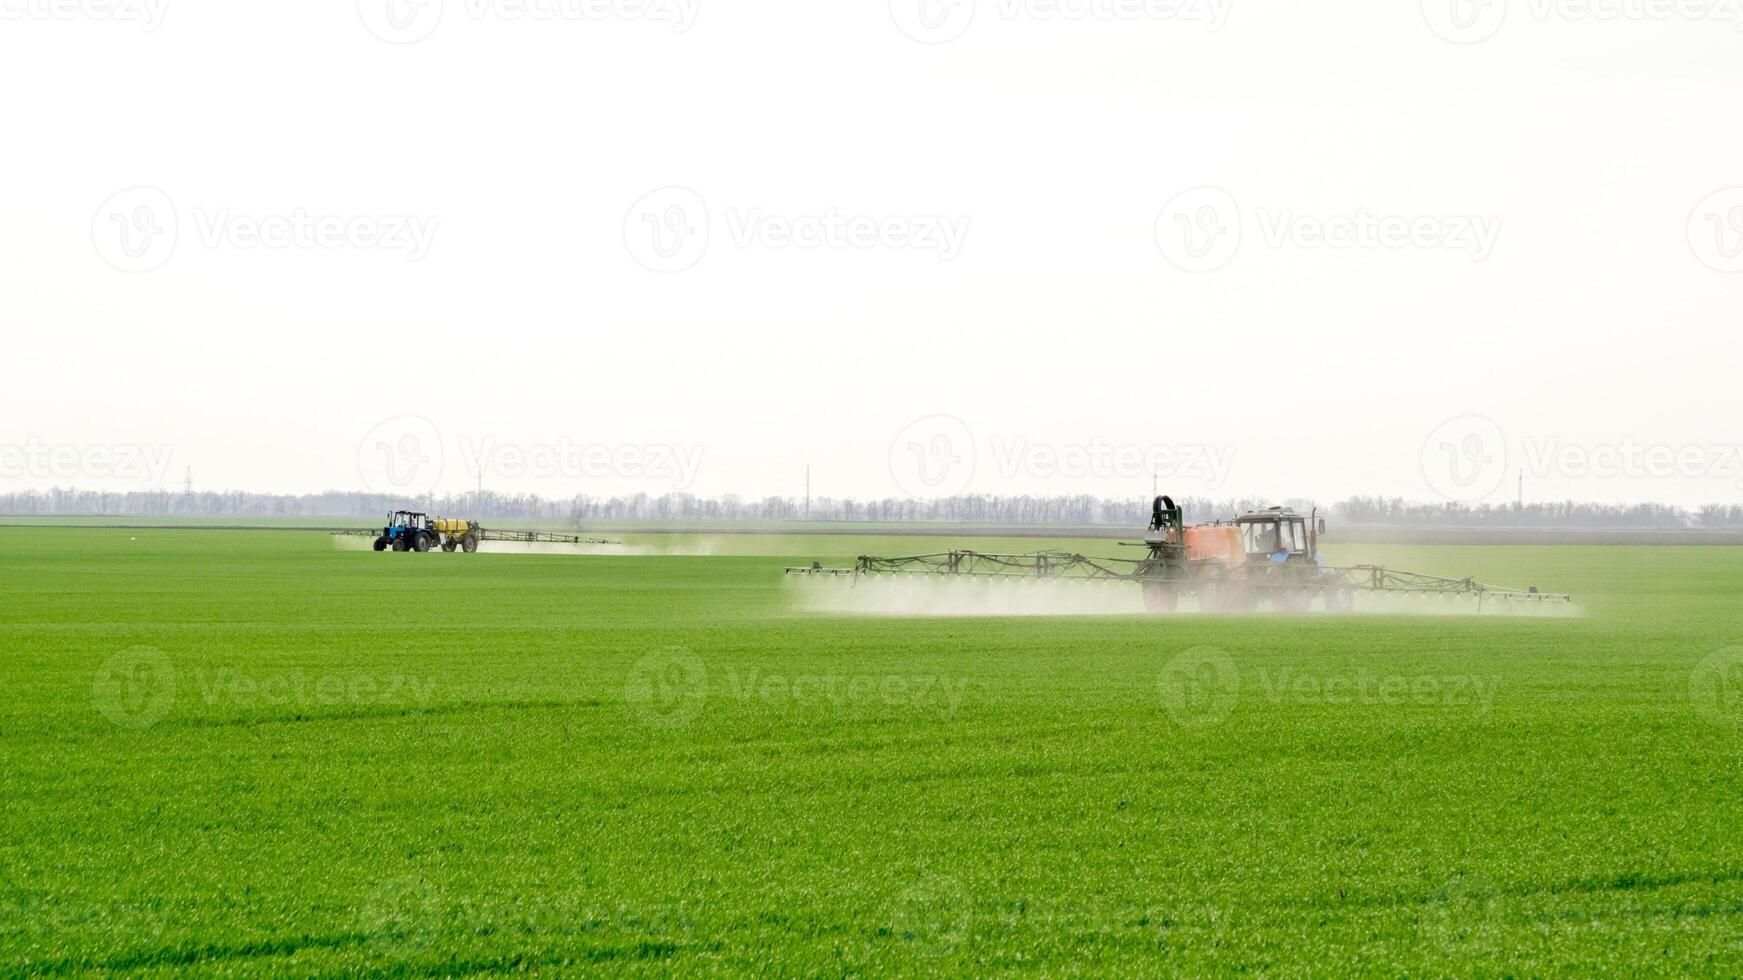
{"x":1221,"y":543}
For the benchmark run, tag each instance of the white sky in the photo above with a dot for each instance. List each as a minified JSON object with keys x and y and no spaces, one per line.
{"x":1062,"y":315}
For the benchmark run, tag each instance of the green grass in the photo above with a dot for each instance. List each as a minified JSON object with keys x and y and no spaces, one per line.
{"x":255,"y":753}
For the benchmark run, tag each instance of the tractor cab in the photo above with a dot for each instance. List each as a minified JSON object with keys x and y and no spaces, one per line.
{"x":406,"y":530}
{"x":401,"y":521}
{"x":1280,"y":535}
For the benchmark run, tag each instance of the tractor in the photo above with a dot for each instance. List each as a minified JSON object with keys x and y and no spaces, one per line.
{"x":409,"y":530}
{"x":1264,"y":558}
{"x":1270,"y":554}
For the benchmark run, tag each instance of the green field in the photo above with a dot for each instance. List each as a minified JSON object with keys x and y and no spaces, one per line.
{"x":258,"y":753}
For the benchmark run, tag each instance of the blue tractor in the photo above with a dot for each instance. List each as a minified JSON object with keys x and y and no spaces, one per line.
{"x":407,"y":530}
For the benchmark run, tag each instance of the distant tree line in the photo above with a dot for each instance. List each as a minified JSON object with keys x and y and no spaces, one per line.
{"x":968,"y":509}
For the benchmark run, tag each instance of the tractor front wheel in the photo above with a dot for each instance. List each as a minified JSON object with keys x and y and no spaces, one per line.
{"x":380,"y":544}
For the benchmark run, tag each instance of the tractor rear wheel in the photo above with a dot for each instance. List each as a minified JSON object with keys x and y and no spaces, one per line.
{"x":469,"y":543}
{"x":423,"y":542}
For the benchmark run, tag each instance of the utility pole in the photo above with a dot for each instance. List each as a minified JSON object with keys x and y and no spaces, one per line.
{"x":807,"y":491}
{"x":1522,"y":490}
{"x":188,"y":481}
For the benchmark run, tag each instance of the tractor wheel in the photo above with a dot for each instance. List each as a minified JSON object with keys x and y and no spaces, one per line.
{"x":469,"y":543}
{"x":1160,"y":598}
{"x":380,"y":544}
{"x":399,"y":544}
{"x":423,"y":542}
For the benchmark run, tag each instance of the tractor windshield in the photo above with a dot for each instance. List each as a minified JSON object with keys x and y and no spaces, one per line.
{"x":1260,"y":537}
{"x":1294,"y":537}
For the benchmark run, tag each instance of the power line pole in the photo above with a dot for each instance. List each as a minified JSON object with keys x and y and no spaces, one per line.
{"x":807,"y":491}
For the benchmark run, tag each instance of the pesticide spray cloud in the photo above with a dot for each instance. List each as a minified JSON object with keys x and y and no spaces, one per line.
{"x":964,"y":596}
{"x":971,"y":596}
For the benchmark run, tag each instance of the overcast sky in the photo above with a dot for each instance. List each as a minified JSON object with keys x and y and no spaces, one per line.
{"x":1267,"y":248}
